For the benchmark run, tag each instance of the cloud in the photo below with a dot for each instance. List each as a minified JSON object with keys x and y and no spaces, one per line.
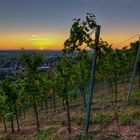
{"x":34,"y":35}
{"x":37,"y":38}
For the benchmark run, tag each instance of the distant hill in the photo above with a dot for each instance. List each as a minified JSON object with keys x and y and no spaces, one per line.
{"x":16,"y":52}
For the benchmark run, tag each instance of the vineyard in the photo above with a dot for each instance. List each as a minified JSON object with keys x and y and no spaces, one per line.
{"x":83,"y":97}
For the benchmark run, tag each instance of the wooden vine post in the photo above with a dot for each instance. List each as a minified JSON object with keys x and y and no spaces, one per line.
{"x":133,"y":74}
{"x":91,"y":86}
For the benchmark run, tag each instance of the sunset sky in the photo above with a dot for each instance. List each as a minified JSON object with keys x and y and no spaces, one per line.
{"x":45,"y":24}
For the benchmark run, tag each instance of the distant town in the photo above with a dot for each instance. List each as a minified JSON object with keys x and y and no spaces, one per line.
{"x":11,"y":65}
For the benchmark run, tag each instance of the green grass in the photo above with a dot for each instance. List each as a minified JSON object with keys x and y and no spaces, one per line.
{"x":101,"y":118}
{"x":44,"y":134}
{"x":125,"y":120}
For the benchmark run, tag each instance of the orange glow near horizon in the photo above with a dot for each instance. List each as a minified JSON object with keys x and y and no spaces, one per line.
{"x":16,"y":42}
{"x":118,"y":40}
{"x":52,"y":41}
